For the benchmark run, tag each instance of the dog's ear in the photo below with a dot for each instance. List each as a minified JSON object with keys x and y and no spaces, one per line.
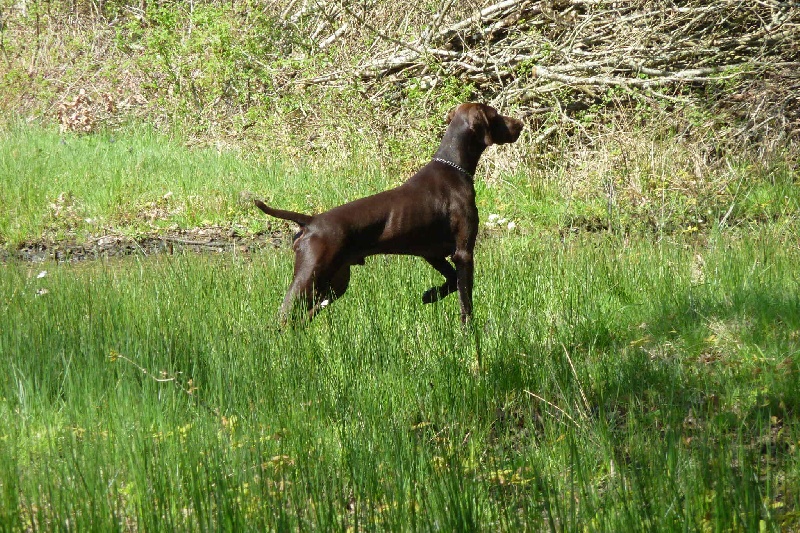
{"x":449,"y":118}
{"x":479,"y":123}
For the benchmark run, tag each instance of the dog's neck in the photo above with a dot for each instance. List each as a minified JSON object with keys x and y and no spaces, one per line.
{"x":470,"y":175}
{"x":461,"y":149}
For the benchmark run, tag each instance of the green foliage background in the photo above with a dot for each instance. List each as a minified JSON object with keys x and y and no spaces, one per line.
{"x":633,"y":364}
{"x":247,"y":77}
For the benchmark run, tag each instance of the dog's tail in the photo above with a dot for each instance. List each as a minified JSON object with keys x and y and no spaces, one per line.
{"x":299,"y":218}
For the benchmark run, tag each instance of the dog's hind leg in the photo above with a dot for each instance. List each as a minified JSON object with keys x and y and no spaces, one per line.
{"x":330,"y":289}
{"x":309,"y":284}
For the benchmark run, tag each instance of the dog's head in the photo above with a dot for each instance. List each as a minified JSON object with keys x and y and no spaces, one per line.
{"x":486,"y":123}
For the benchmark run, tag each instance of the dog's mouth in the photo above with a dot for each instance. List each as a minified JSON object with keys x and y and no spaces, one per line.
{"x":513,"y":129}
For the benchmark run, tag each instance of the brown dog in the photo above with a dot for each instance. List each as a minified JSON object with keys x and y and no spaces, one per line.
{"x":432,"y":215}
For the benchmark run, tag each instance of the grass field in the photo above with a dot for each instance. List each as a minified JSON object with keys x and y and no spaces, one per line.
{"x":67,"y":188}
{"x":634,"y":360}
{"x":611,"y":380}
{"x":608,"y":385}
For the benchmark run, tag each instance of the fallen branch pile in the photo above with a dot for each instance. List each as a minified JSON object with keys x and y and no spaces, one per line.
{"x":522,"y":51}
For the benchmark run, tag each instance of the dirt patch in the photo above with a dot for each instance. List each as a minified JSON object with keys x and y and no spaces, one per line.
{"x":200,"y":240}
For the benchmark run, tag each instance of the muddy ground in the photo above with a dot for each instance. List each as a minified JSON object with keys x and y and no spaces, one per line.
{"x":213,"y":239}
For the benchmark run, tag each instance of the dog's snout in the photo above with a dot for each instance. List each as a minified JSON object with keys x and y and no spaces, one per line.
{"x":515,"y":127}
{"x":511,"y":130}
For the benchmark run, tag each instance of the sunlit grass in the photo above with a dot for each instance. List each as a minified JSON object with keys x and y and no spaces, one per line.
{"x":68,"y":187}
{"x":605,"y":385}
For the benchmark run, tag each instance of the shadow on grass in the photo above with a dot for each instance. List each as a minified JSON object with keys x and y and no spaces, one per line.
{"x":731,"y":359}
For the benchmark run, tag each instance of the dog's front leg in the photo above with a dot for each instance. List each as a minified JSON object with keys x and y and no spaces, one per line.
{"x":434,"y":294}
{"x":465,"y":271}
{"x":466,"y":234}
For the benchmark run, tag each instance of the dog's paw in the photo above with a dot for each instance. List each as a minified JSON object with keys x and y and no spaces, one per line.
{"x":431,"y":295}
{"x":434,"y":294}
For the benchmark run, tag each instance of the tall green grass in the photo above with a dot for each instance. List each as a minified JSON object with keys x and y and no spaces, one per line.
{"x":606,"y":385}
{"x":68,"y":187}
{"x":137,"y":182}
